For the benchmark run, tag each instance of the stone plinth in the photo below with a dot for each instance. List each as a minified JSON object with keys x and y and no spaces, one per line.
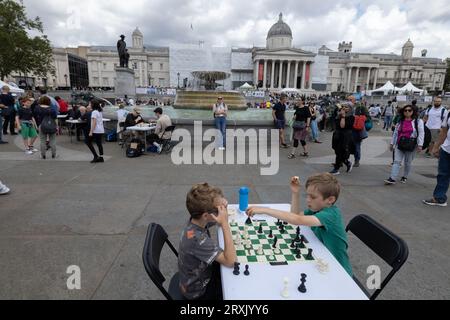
{"x":125,"y":83}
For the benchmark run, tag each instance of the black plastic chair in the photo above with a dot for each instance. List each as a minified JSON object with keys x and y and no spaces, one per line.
{"x":391,"y":248}
{"x":166,"y":143}
{"x":154,"y":243}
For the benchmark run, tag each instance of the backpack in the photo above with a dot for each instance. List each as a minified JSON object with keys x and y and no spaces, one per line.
{"x":369,"y":124}
{"x":360,"y":121}
{"x":111,"y":136}
{"x":48,"y":125}
{"x":135,"y":149}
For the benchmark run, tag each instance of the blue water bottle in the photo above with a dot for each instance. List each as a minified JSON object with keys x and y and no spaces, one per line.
{"x":243,"y":199}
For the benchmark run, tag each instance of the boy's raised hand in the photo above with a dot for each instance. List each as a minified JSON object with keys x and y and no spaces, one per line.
{"x":295,"y":184}
{"x":222,"y":216}
{"x":255,"y":210}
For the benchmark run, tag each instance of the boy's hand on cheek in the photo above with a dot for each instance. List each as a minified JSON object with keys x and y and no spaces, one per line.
{"x":222,"y":217}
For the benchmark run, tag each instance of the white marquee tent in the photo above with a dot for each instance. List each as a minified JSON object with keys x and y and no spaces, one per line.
{"x":12,"y":88}
{"x":246,"y":86}
{"x":386,"y":89}
{"x":409,"y":87}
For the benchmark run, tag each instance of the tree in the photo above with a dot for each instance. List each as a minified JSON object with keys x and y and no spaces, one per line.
{"x":447,"y":76}
{"x":18,"y":51}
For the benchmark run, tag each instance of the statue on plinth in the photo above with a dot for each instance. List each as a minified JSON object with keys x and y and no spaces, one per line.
{"x":122,"y":50}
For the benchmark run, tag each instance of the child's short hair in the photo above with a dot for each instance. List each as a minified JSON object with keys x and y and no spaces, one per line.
{"x":326,"y":184}
{"x":201,"y":198}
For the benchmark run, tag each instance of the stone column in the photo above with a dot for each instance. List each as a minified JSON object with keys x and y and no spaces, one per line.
{"x":376,"y":79}
{"x":281,"y":75}
{"x":265,"y":75}
{"x":272,"y":76}
{"x":368,"y":80}
{"x":357,"y":78}
{"x":303,"y":75}
{"x":310,"y":76}
{"x":349,"y":78}
{"x":256,"y":73}
{"x":288,"y":76}
{"x":296,"y":74}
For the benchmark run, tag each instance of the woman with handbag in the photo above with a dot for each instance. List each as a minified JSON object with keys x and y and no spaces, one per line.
{"x":300,"y":126}
{"x":407,"y":139}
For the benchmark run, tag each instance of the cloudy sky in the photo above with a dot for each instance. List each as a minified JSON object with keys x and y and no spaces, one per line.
{"x":380,"y":26}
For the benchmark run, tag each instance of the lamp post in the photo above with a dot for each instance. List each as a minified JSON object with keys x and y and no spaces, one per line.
{"x":178,"y":75}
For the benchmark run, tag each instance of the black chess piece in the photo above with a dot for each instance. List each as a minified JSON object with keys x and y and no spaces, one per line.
{"x":293,"y":244}
{"x":310,"y":256}
{"x":298,"y":231}
{"x":260,"y":230}
{"x":246,"y":272}
{"x":249,"y":221}
{"x":282,"y":228}
{"x":285,"y":223}
{"x":302,"y":287}
{"x":236,"y":269}
{"x":275,"y":240}
{"x":278,"y":222}
{"x":271,"y":234}
{"x":298,"y":252}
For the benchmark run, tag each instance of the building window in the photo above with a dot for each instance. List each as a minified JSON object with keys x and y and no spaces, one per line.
{"x":161,"y":82}
{"x":150,"y":66}
{"x":431,"y":76}
{"x":105,"y":82}
{"x":95,"y":81}
{"x":105,"y":65}
{"x":410,"y":75}
{"x":340,"y":73}
{"x":135,"y":65}
{"x":385,"y":74}
{"x":161,"y":66}
{"x":331,"y":72}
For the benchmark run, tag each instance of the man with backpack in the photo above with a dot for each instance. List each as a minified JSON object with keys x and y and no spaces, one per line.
{"x":442,"y":150}
{"x":388,"y":114}
{"x":434,"y":117}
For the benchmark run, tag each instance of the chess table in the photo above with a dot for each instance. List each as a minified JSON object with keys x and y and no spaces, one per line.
{"x":267,"y":277}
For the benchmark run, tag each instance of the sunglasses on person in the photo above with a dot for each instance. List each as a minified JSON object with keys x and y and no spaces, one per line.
{"x":408,"y":110}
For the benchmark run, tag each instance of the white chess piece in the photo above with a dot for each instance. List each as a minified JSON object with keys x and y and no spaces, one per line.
{"x":248,"y":244}
{"x":260,"y":250}
{"x":233,"y":222}
{"x":238,"y":240}
{"x":285,"y":292}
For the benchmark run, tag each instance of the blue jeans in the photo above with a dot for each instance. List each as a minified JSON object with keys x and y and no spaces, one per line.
{"x":357,"y":141}
{"x":388,"y":122}
{"x":221,"y":125}
{"x":443,"y":178}
{"x":1,"y":126}
{"x":314,"y":130}
{"x":400,"y":156}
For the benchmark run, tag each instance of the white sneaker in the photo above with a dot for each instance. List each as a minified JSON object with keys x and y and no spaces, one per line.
{"x":4,"y":189}
{"x":34,"y":150}
{"x":29,"y":152}
{"x":159,"y":148}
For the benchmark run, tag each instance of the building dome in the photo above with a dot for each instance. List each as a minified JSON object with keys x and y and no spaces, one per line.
{"x":137,"y":33}
{"x":408,"y":44}
{"x":280,"y":29}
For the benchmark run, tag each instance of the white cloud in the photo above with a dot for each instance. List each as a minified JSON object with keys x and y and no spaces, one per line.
{"x":373,"y":26}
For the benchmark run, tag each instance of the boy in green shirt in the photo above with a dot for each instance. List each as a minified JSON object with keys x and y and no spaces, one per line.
{"x":322,"y":215}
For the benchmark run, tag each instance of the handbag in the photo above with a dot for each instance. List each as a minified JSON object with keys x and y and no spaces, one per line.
{"x":299,"y":125}
{"x":407,"y":144}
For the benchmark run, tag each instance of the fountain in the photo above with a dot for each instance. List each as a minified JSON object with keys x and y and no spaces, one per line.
{"x":204,"y":98}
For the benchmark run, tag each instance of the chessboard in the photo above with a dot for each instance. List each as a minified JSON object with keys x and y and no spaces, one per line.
{"x":291,"y":246}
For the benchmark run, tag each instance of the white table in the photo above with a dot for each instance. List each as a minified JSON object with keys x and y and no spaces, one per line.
{"x":145,"y":130}
{"x":265,"y":282}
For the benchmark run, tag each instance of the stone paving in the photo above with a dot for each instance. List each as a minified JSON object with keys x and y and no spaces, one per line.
{"x":69,"y":212}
